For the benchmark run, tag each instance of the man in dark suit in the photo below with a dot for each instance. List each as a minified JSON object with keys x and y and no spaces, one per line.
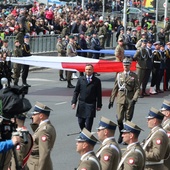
{"x":89,"y":92}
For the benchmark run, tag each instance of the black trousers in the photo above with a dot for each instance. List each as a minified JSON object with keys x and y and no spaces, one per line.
{"x":25,"y":70}
{"x":86,"y":123}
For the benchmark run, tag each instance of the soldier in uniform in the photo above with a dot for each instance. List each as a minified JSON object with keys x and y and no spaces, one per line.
{"x":139,"y":43}
{"x":127,"y":89}
{"x":151,"y":35}
{"x":156,"y":55}
{"x":5,"y":48}
{"x":65,"y":30}
{"x":154,"y":29}
{"x":23,"y":150}
{"x":71,"y":52}
{"x":167,"y":29}
{"x":61,"y":51}
{"x":134,"y":156}
{"x":88,"y":42}
{"x":43,"y":137}
{"x":26,"y":53}
{"x":122,"y":36}
{"x":165,"y":110}
{"x":167,"y":54}
{"x":16,"y":66}
{"x":85,"y":145}
{"x":161,"y":36}
{"x":109,"y":153}
{"x":119,"y":51}
{"x":90,"y":27}
{"x":134,"y":38}
{"x":128,"y":40}
{"x":156,"y":144}
{"x":142,"y":57}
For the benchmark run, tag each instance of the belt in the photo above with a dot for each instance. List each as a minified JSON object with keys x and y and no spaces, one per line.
{"x":157,"y":61}
{"x":125,"y":90}
{"x":154,"y":163}
{"x":34,"y":153}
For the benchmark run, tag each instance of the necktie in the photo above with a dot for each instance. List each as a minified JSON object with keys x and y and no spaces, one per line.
{"x":126,"y":75}
{"x":88,"y":79}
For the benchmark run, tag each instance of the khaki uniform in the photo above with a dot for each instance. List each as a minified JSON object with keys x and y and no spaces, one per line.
{"x":90,"y":29}
{"x":89,"y":161}
{"x":167,"y":31}
{"x":133,"y":158}
{"x":65,"y":31}
{"x":71,"y":52}
{"x":138,"y":35}
{"x":155,"y":147}
{"x":139,"y":43}
{"x":44,"y":138}
{"x":61,"y":50}
{"x":166,"y":126}
{"x":119,"y":53}
{"x":109,"y":154}
{"x":22,"y":151}
{"x":5,"y":159}
{"x":102,"y":35}
{"x":122,"y":36}
{"x":126,"y":88}
{"x":17,"y":67}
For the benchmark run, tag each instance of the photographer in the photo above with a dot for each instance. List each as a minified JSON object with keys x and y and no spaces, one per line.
{"x":9,"y":144}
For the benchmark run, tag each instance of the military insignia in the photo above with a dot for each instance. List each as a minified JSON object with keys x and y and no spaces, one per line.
{"x":106,"y":157}
{"x":158,"y":141}
{"x":18,"y":147}
{"x":44,"y":138}
{"x":83,"y":169}
{"x":131,"y":161}
{"x":168,"y":134}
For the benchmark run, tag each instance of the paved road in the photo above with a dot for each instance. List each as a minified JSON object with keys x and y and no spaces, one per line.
{"x":47,"y":88}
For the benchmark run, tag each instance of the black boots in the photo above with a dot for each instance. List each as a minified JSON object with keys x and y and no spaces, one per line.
{"x":70,"y":85}
{"x":120,"y":140}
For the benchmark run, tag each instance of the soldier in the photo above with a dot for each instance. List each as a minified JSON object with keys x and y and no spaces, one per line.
{"x":109,"y":153}
{"x":127,"y":89}
{"x":26,"y":53}
{"x":90,"y":28}
{"x":43,"y":137}
{"x":167,"y":29}
{"x":5,"y":48}
{"x":128,"y":40}
{"x":142,"y":56}
{"x":85,"y":145}
{"x":134,"y":38}
{"x":167,"y":54}
{"x":65,"y":30}
{"x":16,"y":66}
{"x":156,"y":144}
{"x":165,"y":110}
{"x":161,"y":36}
{"x":61,"y":50}
{"x":139,"y":43}
{"x":88,"y":42}
{"x":154,"y":29}
{"x":150,"y":35}
{"x":155,"y":70}
{"x":119,"y":51}
{"x":138,"y":34}
{"x":23,"y":150}
{"x":122,"y":36}
{"x":134,"y":156}
{"x":71,"y":52}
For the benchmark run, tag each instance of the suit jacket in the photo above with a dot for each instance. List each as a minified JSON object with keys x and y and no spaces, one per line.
{"x":89,"y":96}
{"x":89,"y":161}
{"x":133,"y":158}
{"x":131,"y":84}
{"x":44,"y":138}
{"x":109,"y":154}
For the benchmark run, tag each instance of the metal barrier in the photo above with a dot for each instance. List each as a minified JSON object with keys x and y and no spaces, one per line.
{"x":47,"y":43}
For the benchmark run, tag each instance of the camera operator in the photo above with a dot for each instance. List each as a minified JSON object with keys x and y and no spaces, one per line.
{"x":22,"y":150}
{"x":9,"y":144}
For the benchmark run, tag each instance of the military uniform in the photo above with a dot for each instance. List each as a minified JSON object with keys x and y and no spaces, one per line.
{"x":88,"y":160}
{"x":17,"y":67}
{"x":156,"y":144}
{"x":44,"y":139}
{"x":119,"y":53}
{"x":109,"y":153}
{"x":167,"y":30}
{"x":65,"y":31}
{"x":127,"y":89}
{"x":139,"y":43}
{"x":95,"y":45}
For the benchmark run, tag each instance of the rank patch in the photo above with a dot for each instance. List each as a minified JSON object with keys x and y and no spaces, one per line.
{"x":168,"y":134}
{"x":131,"y":161}
{"x":106,"y":157}
{"x":158,"y":141}
{"x":44,"y":138}
{"x":18,"y":147}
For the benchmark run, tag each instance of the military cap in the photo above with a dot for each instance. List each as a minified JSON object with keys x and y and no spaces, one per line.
{"x":153,"y":21}
{"x":165,"y":105}
{"x":26,"y":36}
{"x":155,"y":113}
{"x":71,"y":36}
{"x":41,"y":108}
{"x":131,"y":127}
{"x":86,"y":136}
{"x":5,"y":41}
{"x":138,"y":28}
{"x":16,"y":41}
{"x":126,"y":61}
{"x":136,"y":21}
{"x":100,"y":21}
{"x":120,"y":39}
{"x":144,"y":41}
{"x":167,"y":18}
{"x":129,"y":29}
{"x":168,"y":43}
{"x":156,"y":43}
{"x":106,"y":124}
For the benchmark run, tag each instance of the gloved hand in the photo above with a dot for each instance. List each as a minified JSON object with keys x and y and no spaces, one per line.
{"x":133,"y":102}
{"x":110,"y":105}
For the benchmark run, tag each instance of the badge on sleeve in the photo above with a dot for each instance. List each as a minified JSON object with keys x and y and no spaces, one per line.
{"x":168,"y":134}
{"x":18,"y":147}
{"x":158,"y":141}
{"x":131,"y":161}
{"x":44,"y":138}
{"x":106,"y":157}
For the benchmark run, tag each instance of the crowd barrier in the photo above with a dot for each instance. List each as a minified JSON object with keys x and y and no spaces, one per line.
{"x":47,"y":43}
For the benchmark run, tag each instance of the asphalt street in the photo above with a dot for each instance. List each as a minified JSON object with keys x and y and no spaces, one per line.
{"x":46,"y":88}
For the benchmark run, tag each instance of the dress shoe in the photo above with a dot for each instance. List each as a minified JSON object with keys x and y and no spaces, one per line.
{"x":120,"y":139}
{"x":26,"y":85}
{"x":145,"y":94}
{"x":152,"y":91}
{"x":70,"y":86}
{"x":62,"y":79}
{"x":159,"y":91}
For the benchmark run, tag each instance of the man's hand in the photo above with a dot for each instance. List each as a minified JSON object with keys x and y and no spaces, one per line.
{"x":98,"y":109}
{"x":15,"y":140}
{"x":110,"y":105}
{"x":73,"y":106}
